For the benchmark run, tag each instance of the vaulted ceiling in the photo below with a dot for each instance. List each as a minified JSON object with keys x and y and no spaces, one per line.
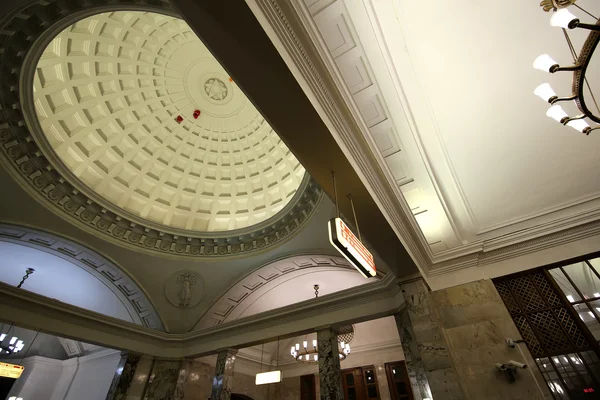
{"x":111,"y":172}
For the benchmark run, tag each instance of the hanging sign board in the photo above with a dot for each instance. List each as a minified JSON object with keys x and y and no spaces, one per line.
{"x":268,"y":377}
{"x":11,"y":370}
{"x":342,"y":238}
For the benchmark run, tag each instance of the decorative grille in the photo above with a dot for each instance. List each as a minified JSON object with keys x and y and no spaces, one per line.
{"x":539,"y":313}
{"x":345,"y":333}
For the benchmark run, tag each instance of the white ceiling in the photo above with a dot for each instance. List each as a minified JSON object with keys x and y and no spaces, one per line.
{"x":59,"y":279}
{"x":108,"y":91}
{"x":509,"y":161}
{"x":445,"y":98}
{"x":281,"y":283}
{"x":299,"y":287}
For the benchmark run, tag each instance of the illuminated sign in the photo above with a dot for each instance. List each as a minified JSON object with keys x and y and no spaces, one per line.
{"x":342,"y":238}
{"x":11,"y":370}
{"x":588,"y":390}
{"x":268,"y":377}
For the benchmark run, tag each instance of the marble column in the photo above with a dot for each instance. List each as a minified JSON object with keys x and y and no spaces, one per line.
{"x":167,"y":380}
{"x":330,"y":372}
{"x":223,"y":379}
{"x":428,"y":359}
{"x":123,"y":377}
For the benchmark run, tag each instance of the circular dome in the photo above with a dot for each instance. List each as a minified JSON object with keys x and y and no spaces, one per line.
{"x":146,"y":121}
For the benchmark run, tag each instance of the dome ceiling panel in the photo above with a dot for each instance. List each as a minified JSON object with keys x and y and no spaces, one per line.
{"x":115,"y":96}
{"x":109,"y":105}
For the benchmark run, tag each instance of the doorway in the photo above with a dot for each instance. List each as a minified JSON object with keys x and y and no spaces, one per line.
{"x":360,"y":383}
{"x":398,"y":381}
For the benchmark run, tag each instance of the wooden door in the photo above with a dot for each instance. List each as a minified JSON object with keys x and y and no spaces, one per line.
{"x":307,"y":387}
{"x":360,"y":384}
{"x":398,"y":381}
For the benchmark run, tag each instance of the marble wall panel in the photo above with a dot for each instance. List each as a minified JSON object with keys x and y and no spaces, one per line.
{"x":475,"y":323}
{"x":382,"y":382}
{"x":140,"y":379}
{"x":165,"y":382}
{"x":199,"y":383}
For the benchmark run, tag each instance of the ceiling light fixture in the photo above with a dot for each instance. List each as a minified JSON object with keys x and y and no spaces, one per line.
{"x":563,"y":18}
{"x":305,"y":354}
{"x":14,"y":345}
{"x":308,"y":355}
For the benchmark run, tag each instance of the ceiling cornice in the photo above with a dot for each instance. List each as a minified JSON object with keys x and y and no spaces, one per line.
{"x":358,"y":304}
{"x":291,"y":28}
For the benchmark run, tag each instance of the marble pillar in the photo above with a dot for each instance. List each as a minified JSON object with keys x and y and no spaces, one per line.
{"x":223,"y":379}
{"x":428,"y":360}
{"x":123,"y":377}
{"x":167,"y":380}
{"x":330,"y":372}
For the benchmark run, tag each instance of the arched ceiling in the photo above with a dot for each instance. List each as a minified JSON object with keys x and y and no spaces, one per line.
{"x":282,"y":283}
{"x":148,"y":122}
{"x":66,"y":271}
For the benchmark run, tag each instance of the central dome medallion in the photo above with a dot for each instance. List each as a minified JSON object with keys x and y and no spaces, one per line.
{"x":147,"y":123}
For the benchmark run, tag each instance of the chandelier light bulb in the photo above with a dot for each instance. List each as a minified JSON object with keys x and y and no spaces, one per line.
{"x":578,"y":124}
{"x":314,"y":342}
{"x":307,"y":357}
{"x":556,"y":113}
{"x":342,"y":344}
{"x":2,"y":337}
{"x":545,"y":92}
{"x":297,"y":346}
{"x":305,"y":344}
{"x":563,"y":18}
{"x":292,"y":351}
{"x":544,"y":63}
{"x":316,"y":357}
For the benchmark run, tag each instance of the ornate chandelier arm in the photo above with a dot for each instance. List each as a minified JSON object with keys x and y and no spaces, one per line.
{"x":557,"y":99}
{"x":589,"y":129}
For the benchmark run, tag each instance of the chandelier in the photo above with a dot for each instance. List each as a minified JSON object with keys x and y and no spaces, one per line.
{"x":14,"y":344}
{"x":564,"y":19}
{"x":305,"y":354}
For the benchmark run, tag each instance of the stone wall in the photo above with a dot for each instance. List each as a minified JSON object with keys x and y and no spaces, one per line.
{"x":452,"y":339}
{"x":475,"y":323}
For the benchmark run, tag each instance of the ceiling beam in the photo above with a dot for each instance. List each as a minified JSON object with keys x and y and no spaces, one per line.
{"x":236,"y":38}
{"x":39,"y":313}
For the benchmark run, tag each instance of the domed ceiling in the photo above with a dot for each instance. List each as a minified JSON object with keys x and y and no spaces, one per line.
{"x":148,"y":124}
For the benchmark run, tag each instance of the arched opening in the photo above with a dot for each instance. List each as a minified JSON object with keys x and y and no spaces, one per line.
{"x":73,"y":274}
{"x":56,"y":367}
{"x":282,"y":283}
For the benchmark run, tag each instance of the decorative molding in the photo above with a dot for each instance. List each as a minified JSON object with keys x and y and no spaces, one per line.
{"x":315,"y":76}
{"x":23,"y":157}
{"x":134,"y":299}
{"x":73,"y":348}
{"x":262,"y":279}
{"x":305,"y":50}
{"x":32,"y":311}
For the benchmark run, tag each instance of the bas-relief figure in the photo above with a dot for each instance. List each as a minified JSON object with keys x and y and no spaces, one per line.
{"x":185,"y":289}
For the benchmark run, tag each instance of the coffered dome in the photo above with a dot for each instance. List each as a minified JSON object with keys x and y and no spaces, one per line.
{"x":145,"y":121}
